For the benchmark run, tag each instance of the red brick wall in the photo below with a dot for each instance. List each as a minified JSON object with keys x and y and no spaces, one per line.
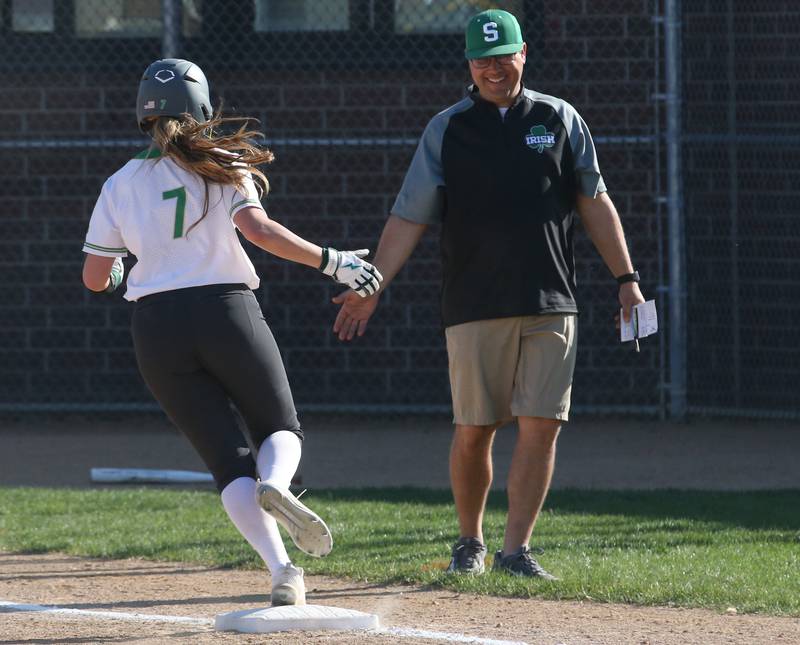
{"x":60,"y":344}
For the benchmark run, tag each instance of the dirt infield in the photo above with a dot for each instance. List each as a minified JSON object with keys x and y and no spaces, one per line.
{"x":169,"y":589}
{"x":610,"y":454}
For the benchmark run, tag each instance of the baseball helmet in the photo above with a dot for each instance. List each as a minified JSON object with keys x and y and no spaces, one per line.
{"x":171,"y":87}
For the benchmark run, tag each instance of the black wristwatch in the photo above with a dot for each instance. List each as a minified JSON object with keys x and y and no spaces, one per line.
{"x":628,"y":277}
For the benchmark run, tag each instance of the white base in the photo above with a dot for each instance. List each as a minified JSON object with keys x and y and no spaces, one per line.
{"x":290,"y":618}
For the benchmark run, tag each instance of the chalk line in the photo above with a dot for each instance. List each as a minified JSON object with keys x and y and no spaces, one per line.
{"x":402,"y":632}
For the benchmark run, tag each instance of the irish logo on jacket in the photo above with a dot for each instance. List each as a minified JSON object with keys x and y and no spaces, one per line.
{"x":540,"y":138}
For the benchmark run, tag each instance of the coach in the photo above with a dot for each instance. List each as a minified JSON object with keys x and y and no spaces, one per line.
{"x":503,"y":171}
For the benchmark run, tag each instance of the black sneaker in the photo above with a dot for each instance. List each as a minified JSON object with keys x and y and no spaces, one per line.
{"x":468,"y":555}
{"x":520,"y":563}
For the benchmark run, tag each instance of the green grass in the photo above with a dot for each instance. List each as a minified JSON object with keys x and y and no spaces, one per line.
{"x":678,"y":548}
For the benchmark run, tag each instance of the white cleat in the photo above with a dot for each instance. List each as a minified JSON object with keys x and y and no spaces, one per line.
{"x":288,"y":587}
{"x":307,"y":530}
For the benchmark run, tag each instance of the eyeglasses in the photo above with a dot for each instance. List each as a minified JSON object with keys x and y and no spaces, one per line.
{"x":483,"y":63}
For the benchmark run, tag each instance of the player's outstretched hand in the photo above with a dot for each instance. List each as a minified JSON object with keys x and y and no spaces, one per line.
{"x":353,"y":314}
{"x":347,"y":267}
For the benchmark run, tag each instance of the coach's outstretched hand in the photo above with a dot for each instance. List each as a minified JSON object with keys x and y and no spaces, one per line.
{"x":354,"y":314}
{"x":347,"y":267}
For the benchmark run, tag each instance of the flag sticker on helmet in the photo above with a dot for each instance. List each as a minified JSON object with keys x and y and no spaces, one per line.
{"x":150,"y":105}
{"x":165,"y":75}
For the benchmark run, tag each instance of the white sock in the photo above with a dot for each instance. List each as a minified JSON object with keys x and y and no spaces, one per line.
{"x":278,"y":458}
{"x":258,"y":528}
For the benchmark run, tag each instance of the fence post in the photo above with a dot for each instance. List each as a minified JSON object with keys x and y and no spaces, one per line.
{"x":733,"y":172}
{"x":171,"y":11}
{"x":677,"y":265}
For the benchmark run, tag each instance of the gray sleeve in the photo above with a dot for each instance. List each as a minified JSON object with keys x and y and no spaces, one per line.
{"x":421,"y":198}
{"x":587,"y":169}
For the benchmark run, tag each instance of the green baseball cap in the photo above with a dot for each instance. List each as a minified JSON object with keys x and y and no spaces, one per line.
{"x":493,"y":33}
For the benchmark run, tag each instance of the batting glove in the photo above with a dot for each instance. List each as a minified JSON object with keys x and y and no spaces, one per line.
{"x":115,"y":278}
{"x":347,"y":267}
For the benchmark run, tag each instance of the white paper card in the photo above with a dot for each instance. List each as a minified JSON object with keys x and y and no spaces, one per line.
{"x":646,"y":318}
{"x":643,"y":322}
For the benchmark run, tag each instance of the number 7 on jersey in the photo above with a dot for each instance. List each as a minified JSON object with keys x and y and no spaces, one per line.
{"x":180,"y":208}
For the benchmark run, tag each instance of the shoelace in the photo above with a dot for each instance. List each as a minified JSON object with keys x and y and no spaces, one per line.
{"x":287,"y":574}
{"x":529,"y":563}
{"x":468,"y":553}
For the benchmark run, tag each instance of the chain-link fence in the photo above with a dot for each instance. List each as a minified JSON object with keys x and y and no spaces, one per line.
{"x":742,"y":169}
{"x":342,"y":89}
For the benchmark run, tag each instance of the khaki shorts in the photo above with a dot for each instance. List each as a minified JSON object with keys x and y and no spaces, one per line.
{"x":512,"y":367}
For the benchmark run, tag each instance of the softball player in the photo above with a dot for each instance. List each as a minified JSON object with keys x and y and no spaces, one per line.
{"x":200,"y":337}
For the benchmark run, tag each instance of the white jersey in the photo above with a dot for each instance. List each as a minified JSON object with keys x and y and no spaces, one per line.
{"x":147,"y":207}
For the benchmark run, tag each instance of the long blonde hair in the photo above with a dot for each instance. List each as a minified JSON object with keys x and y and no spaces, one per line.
{"x":217,"y":158}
